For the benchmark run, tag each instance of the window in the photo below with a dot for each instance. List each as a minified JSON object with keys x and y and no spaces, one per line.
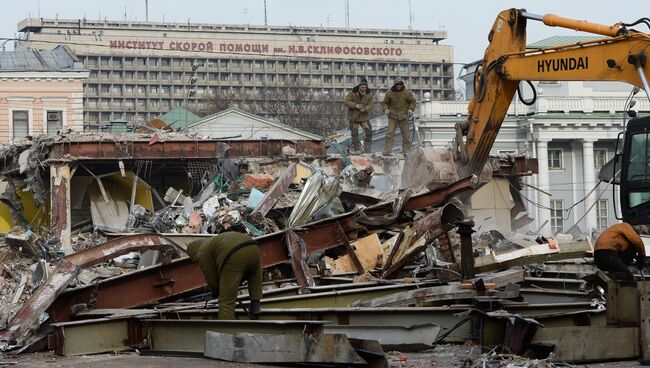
{"x":555,"y":159}
{"x":20,"y":123}
{"x":557,"y":213}
{"x":638,"y":169}
{"x":600,"y":158}
{"x":601,"y":214}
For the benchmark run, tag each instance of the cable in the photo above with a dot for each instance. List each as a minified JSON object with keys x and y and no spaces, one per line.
{"x":521,"y":98}
{"x":643,"y":20}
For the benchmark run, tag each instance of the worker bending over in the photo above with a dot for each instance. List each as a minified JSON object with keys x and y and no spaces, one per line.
{"x":615,"y":249}
{"x":226,"y":260}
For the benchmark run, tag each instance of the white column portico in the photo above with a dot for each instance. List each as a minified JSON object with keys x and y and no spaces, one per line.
{"x":543,"y":214}
{"x":589,"y":183}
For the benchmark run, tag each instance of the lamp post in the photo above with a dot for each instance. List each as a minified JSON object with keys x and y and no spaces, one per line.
{"x":191,"y":89}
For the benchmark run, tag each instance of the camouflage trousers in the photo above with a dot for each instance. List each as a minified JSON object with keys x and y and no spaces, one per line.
{"x":390,"y":134}
{"x":367,"y":131}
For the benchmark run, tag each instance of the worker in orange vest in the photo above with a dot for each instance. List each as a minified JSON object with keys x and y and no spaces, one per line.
{"x":616,"y":248}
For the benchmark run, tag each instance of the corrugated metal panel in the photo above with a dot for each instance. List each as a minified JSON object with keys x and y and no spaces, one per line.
{"x":47,"y":60}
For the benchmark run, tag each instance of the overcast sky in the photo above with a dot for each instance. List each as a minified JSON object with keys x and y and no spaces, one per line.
{"x":466,"y":22}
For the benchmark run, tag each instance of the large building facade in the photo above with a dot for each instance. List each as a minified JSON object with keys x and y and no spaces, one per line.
{"x":140,"y":70}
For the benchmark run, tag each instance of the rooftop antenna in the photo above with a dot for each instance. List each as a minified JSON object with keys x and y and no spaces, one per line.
{"x":38,"y":8}
{"x":266,"y":19}
{"x":410,"y":15}
{"x":146,"y":10}
{"x":327,"y":20}
{"x":124,"y":12}
{"x":347,"y":13}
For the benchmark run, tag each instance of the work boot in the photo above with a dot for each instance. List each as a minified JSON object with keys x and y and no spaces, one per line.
{"x":255,"y":309}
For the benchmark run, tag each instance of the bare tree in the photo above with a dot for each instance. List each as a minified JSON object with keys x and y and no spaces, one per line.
{"x":293,"y":103}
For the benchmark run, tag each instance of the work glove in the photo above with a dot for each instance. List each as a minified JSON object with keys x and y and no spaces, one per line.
{"x":358,"y":106}
{"x":386,"y":111}
{"x":409,"y":114}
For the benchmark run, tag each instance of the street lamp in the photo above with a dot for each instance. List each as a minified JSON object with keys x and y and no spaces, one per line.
{"x":192,"y":88}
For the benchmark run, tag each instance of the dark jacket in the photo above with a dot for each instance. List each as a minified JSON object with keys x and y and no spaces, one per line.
{"x":211,"y":252}
{"x":398,"y":103}
{"x":366,"y":101}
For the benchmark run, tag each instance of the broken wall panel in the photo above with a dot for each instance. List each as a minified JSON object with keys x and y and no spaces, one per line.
{"x":61,"y":217}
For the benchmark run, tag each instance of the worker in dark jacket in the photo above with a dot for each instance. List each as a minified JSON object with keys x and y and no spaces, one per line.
{"x":360,"y":104}
{"x":615,"y":249}
{"x":399,"y":105}
{"x":226,"y":260}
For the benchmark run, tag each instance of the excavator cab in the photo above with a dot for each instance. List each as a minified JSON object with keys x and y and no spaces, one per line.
{"x":635,"y":172}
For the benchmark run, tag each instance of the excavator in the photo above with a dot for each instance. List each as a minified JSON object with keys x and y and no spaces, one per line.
{"x":622,"y":55}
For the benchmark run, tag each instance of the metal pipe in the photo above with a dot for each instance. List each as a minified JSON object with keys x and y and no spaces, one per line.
{"x":531,"y":16}
{"x":553,"y":20}
{"x":644,"y":80}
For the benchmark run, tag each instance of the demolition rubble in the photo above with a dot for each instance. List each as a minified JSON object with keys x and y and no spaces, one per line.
{"x":94,"y":258}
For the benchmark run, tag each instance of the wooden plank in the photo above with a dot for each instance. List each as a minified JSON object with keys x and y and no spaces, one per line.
{"x":590,"y":343}
{"x":368,"y":251}
{"x":537,"y":254}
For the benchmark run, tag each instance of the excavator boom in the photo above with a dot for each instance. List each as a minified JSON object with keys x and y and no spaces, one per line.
{"x":620,"y":57}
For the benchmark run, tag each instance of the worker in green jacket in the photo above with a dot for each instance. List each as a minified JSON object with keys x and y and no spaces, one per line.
{"x":360,"y":103}
{"x":399,"y":105}
{"x":226,"y":260}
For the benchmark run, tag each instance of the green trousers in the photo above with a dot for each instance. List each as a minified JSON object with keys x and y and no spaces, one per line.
{"x":367,"y":131}
{"x":390,"y":134}
{"x":244,"y":264}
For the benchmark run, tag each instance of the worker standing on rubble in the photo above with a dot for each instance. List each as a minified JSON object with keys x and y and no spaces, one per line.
{"x":226,"y":260}
{"x":615,"y":249}
{"x":399,"y":105}
{"x":360,"y":104}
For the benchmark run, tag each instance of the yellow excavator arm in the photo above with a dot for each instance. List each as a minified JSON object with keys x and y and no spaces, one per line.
{"x":621,"y":56}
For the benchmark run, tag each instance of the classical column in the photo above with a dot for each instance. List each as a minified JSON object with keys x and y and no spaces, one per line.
{"x":543,"y":214}
{"x":589,"y":183}
{"x":60,"y":213}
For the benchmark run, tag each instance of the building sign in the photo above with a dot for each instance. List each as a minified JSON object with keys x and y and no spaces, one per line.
{"x":256,"y":48}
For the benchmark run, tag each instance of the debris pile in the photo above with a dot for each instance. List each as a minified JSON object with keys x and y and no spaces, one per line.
{"x":345,"y":242}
